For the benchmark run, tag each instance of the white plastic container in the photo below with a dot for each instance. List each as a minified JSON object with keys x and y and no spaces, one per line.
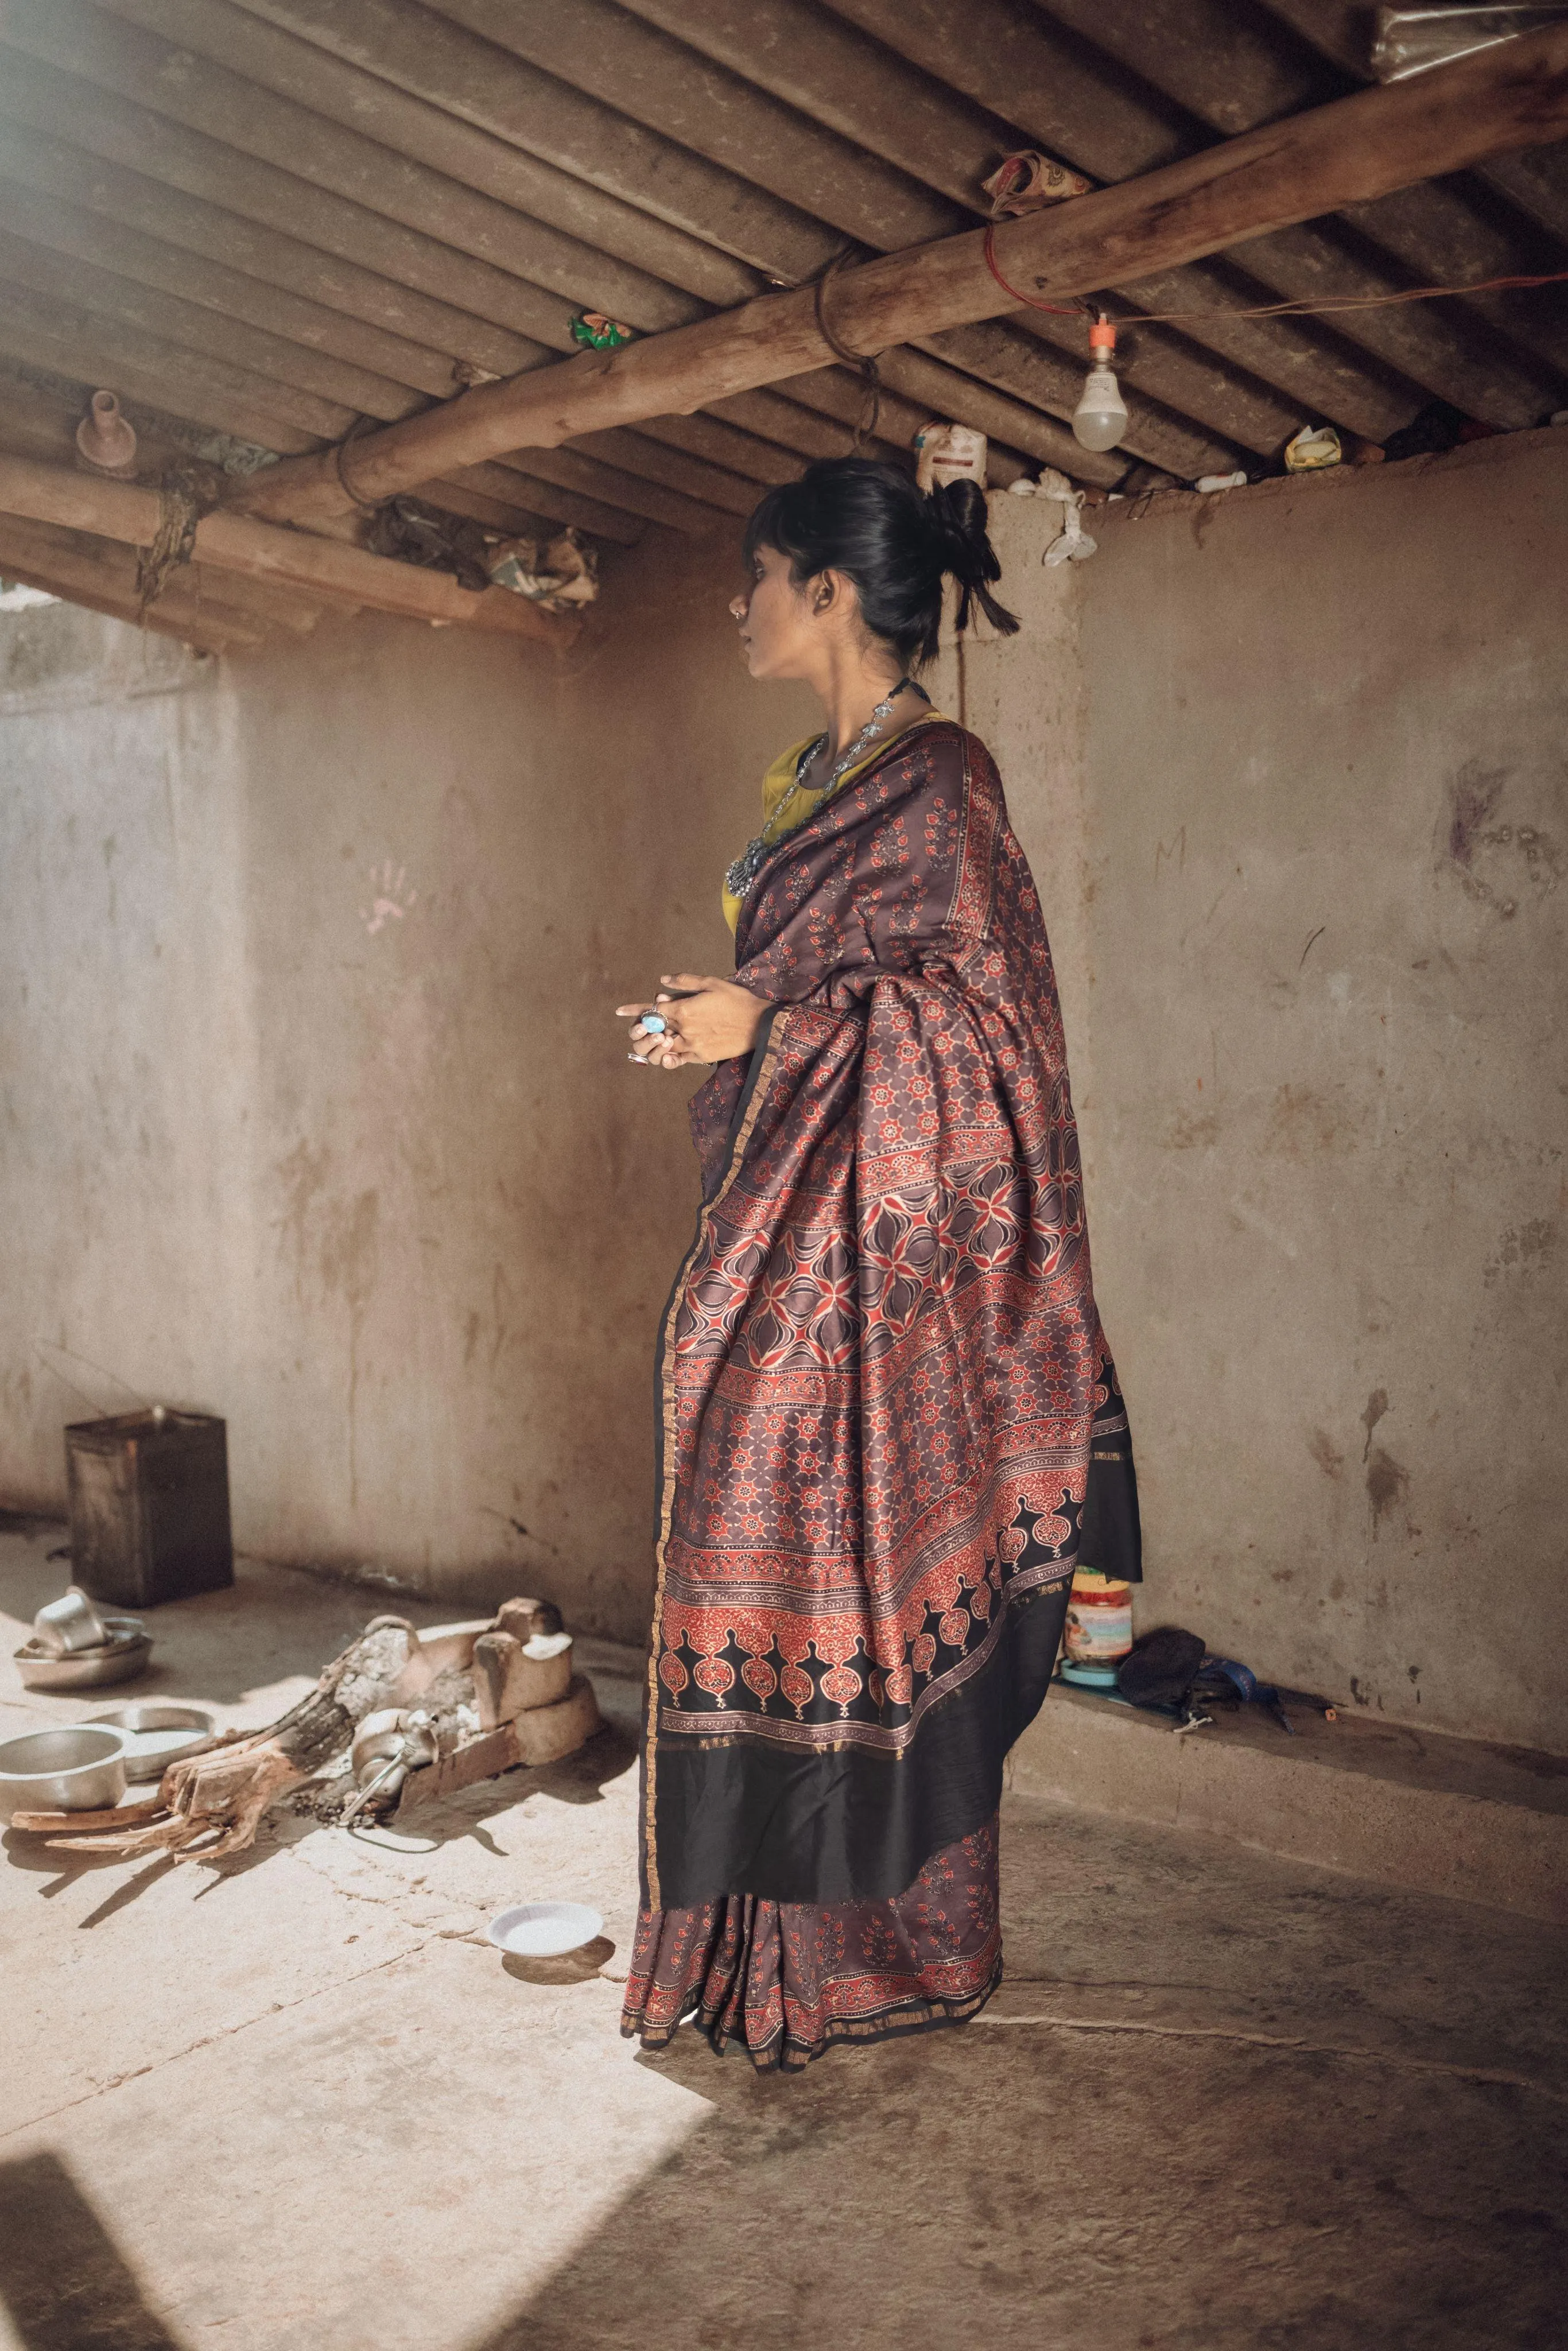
{"x":949,"y":452}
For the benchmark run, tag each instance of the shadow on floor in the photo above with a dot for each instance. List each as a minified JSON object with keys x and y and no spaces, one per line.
{"x":63,"y":2283}
{"x":580,"y":1778}
{"x":1016,"y":2188}
{"x":1220,"y":2104}
{"x":30,"y":1524}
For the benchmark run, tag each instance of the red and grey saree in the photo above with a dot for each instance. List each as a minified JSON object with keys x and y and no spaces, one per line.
{"x":882,"y":1381}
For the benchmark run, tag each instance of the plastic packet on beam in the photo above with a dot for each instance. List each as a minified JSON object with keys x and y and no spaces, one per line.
{"x":1073,"y":543}
{"x":1312,"y":448}
{"x":563,"y":576}
{"x":1028,"y":181}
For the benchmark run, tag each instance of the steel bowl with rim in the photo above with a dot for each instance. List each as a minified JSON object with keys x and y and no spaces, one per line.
{"x":123,"y":1655}
{"x":157,"y":1733}
{"x":80,"y":1768}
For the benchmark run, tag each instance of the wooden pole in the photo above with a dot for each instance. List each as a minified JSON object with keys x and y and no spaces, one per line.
{"x":237,"y":542}
{"x":1511,"y":96}
{"x":78,"y":561}
{"x":102,"y":577}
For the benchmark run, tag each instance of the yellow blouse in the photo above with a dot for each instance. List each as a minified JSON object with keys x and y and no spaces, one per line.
{"x":780,"y":779}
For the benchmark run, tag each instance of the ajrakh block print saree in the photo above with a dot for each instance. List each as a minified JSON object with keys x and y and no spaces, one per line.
{"x":882,"y":1374}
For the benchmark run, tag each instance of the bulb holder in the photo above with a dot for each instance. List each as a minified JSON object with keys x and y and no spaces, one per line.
{"x":1101,"y":335}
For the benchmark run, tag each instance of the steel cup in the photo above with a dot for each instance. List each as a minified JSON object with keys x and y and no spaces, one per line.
{"x":69,"y":1624}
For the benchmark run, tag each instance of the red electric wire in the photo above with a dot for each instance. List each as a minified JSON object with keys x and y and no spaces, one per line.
{"x":1072,"y":311}
{"x":1301,"y":309}
{"x":1294,"y":310}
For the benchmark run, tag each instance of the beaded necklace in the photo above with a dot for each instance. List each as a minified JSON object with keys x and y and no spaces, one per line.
{"x":744,"y":872}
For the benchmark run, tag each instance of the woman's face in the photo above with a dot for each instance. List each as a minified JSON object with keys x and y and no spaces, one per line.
{"x":781,"y":623}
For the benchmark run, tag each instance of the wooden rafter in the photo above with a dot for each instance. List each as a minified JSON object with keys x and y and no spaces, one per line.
{"x":1350,"y":152}
{"x":101,"y":574}
{"x":236,"y":543}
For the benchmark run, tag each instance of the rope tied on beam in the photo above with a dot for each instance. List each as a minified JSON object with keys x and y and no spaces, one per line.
{"x":184,"y":495}
{"x":339,"y":448}
{"x":864,"y":362}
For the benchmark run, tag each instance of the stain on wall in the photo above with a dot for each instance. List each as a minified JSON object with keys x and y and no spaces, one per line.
{"x":1387,"y":1484}
{"x":1498,"y":864}
{"x":312,"y":1115}
{"x":315,"y":1113}
{"x":1315,"y":765}
{"x":1326,"y":1453}
{"x":1377,"y":1410}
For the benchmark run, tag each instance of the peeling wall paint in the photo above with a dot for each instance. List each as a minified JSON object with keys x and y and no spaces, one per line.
{"x":310,"y":1112}
{"x":1315,"y":1015}
{"x":312,"y":1109}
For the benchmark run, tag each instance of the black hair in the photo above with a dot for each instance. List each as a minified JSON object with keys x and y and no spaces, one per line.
{"x":868,"y":520}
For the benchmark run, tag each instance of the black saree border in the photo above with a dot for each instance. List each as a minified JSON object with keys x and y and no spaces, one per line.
{"x":728,"y":1799}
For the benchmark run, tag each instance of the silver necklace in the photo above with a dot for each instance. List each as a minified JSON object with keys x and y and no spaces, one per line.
{"x":744,"y":872}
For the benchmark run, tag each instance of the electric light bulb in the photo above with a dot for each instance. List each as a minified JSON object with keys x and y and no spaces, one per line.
{"x":1099,"y":419}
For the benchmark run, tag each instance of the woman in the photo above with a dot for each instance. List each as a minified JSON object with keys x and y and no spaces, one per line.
{"x":890,"y":1427}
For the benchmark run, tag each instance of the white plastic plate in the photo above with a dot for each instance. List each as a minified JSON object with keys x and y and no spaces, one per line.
{"x":543,"y":1930}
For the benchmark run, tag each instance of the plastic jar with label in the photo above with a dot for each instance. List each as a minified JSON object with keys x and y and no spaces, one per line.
{"x":1099,"y":1630}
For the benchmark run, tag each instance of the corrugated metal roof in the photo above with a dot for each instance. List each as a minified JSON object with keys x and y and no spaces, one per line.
{"x":268,"y":220}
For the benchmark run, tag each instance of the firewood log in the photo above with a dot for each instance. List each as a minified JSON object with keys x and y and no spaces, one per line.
{"x":223,"y":1795}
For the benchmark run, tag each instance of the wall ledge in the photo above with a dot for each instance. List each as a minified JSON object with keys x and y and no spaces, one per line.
{"x":1459,"y":1818}
{"x":1500,"y":448}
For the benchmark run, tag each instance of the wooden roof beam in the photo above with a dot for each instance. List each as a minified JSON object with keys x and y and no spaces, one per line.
{"x":235,"y":542}
{"x":1357,"y":148}
{"x":101,"y":575}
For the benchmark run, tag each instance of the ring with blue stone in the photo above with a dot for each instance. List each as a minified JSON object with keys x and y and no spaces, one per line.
{"x":653,"y":1024}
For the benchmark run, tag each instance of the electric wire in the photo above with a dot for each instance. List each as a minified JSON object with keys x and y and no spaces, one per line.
{"x":1298,"y":309}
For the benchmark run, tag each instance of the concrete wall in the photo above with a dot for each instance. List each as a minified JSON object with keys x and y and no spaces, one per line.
{"x":379,"y":1186}
{"x":311,"y":1109}
{"x":1291,"y":766}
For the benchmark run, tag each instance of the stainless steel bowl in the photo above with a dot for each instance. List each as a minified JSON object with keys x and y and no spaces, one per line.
{"x":155,"y":1733}
{"x":77,"y":1769}
{"x":122,"y":1657}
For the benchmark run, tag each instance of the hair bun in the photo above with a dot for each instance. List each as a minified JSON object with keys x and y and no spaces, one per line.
{"x":961,"y":524}
{"x":871,"y":521}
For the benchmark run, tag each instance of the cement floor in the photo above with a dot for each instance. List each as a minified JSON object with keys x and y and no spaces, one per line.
{"x":1222,"y":2101}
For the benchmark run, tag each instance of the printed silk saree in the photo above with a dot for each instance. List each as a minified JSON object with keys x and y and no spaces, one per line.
{"x":890,"y":1427}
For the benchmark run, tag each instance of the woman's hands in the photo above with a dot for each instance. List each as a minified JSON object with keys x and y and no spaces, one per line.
{"x":706,"y":1020}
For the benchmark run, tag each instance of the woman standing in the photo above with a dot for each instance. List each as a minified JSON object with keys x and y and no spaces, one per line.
{"x":890,"y":1426}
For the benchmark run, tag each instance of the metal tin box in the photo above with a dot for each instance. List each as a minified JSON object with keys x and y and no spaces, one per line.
{"x":150,"y":1506}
